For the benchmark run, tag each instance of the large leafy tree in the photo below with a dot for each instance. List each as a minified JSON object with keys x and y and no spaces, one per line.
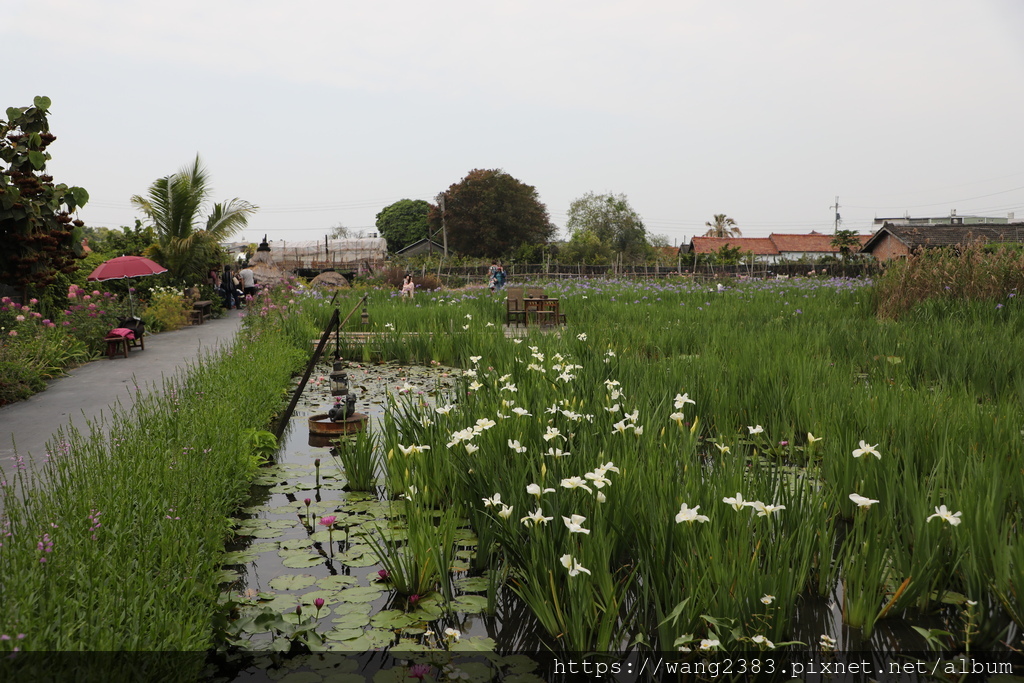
{"x":490,"y":213}
{"x":38,"y":236}
{"x":403,"y":222}
{"x":846,"y":242}
{"x":187,"y":241}
{"x":722,"y":226}
{"x":611,"y":220}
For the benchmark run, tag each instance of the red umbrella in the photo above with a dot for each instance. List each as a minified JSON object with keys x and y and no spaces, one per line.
{"x":124,"y":267}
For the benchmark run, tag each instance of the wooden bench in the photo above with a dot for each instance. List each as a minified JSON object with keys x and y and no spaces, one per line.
{"x":201,"y":310}
{"x":116,"y":344}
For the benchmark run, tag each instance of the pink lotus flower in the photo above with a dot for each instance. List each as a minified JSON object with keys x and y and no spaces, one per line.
{"x":327,"y":520}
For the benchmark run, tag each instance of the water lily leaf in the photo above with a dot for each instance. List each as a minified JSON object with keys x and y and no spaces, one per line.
{"x":239,"y":557}
{"x":365,"y":560}
{"x":374,"y":507}
{"x":293,"y":488}
{"x":283,"y":602}
{"x":465,"y":554}
{"x":359,"y":594}
{"x":328,"y":596}
{"x":303,"y":677}
{"x":227,"y":576}
{"x":264,"y":546}
{"x":261,"y":533}
{"x":474,"y":644}
{"x":470,"y":604}
{"x":295,"y":543}
{"x":282,"y":523}
{"x":292,"y":582}
{"x":336,"y":582}
{"x":351,"y":620}
{"x":394,"y":619}
{"x":344,"y":633}
{"x":472,"y":584}
{"x":518,"y":664}
{"x":255,"y":510}
{"x":302,"y":561}
{"x":267,"y":480}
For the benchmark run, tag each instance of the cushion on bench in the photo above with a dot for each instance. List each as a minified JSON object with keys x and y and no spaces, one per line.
{"x":122,"y":332}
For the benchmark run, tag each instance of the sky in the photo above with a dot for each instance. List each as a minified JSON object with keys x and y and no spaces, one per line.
{"x":323,"y":113}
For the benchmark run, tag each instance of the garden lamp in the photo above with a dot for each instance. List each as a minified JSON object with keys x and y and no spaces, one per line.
{"x":339,"y":381}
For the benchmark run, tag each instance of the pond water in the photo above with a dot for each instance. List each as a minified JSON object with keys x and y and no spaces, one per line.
{"x":284,"y":559}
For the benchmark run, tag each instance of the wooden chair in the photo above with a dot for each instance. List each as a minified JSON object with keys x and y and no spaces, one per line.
{"x":514,"y":311}
{"x":539,"y":315}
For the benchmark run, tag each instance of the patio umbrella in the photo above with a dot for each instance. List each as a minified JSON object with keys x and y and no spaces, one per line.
{"x":126,"y":267}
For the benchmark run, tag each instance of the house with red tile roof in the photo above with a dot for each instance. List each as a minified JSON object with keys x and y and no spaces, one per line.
{"x":776,"y":248}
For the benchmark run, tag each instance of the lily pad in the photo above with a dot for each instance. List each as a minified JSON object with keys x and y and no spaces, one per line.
{"x":261,"y":533}
{"x":295,"y":543}
{"x":472,"y":584}
{"x":344,"y":633}
{"x":336,"y":582}
{"x":239,"y":557}
{"x":474,"y":644}
{"x":292,"y":582}
{"x":394,"y":619}
{"x":470,"y":604}
{"x":359,"y":594}
{"x":302,"y":561}
{"x":303,"y":677}
{"x":227,"y":576}
{"x":351,"y":620}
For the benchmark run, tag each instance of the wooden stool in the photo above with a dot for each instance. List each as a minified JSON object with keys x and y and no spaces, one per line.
{"x":113,"y":342}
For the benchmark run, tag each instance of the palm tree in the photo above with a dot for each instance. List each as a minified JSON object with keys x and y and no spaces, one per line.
{"x":723,"y":226}
{"x":185,"y":245}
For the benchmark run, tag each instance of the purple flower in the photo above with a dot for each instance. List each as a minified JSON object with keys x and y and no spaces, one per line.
{"x":419,"y":671}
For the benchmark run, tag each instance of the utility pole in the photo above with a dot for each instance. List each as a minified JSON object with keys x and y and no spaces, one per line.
{"x":444,"y":226}
{"x":835,"y":207}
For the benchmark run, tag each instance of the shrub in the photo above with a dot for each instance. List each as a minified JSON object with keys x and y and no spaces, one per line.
{"x":166,"y":310}
{"x":18,"y":382}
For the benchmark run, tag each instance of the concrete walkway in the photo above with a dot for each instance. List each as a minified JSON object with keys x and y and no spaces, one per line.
{"x":88,"y":392}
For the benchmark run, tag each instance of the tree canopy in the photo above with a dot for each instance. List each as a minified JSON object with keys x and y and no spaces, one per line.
{"x":38,"y":236}
{"x":490,"y":213}
{"x":610,"y":220}
{"x":187,"y":244}
{"x":403,"y":223}
{"x":722,"y":226}
{"x":847,"y":242}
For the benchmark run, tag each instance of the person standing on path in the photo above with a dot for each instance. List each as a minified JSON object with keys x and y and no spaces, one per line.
{"x":248,"y":282}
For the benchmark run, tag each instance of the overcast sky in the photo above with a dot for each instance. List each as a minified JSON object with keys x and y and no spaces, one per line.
{"x":325,"y":112}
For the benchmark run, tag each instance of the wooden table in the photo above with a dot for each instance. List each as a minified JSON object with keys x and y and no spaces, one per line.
{"x":544,"y":310}
{"x":201,"y":310}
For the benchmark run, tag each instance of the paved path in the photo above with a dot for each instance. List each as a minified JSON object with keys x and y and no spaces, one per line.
{"x":89,"y":391}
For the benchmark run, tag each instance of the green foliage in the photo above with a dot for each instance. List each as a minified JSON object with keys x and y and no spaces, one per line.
{"x":39,"y":237}
{"x":187,"y":244}
{"x":722,"y":226}
{"x":728,"y":256}
{"x":18,"y":382}
{"x":846,"y":242}
{"x":609,"y":218}
{"x":123,"y":241}
{"x":262,"y":445}
{"x":166,"y":310}
{"x":403,"y":222}
{"x":490,"y":213}
{"x":586,"y":247}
